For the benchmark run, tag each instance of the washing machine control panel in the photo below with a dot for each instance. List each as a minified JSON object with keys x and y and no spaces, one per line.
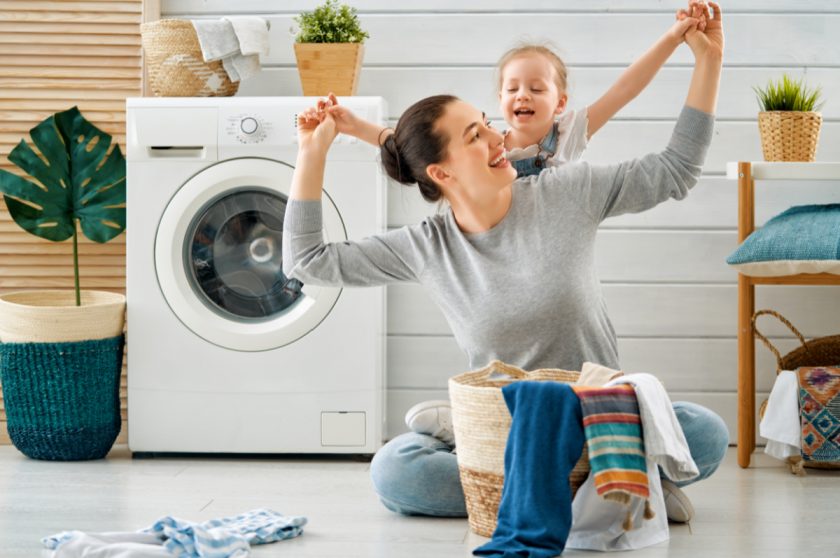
{"x":259,"y":129}
{"x":247,"y":128}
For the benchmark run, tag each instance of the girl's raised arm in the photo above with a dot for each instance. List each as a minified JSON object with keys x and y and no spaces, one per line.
{"x":707,"y":47}
{"x":640,"y":73}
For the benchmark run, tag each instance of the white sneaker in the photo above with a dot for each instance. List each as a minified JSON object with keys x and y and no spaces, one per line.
{"x":677,"y":505}
{"x":433,"y":418}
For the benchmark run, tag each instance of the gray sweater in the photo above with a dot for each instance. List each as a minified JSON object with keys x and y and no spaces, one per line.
{"x":526,"y":291}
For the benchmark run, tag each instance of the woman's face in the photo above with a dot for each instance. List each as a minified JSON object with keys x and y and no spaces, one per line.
{"x":475,"y":157}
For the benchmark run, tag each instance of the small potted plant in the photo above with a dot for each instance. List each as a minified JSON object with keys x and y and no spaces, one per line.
{"x":61,"y":351}
{"x":329,"y":49}
{"x":789,"y":123}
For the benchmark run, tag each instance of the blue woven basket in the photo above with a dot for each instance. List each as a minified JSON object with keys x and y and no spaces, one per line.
{"x":62,"y":399}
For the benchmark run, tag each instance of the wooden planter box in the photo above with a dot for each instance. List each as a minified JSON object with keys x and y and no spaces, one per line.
{"x":329,"y":67}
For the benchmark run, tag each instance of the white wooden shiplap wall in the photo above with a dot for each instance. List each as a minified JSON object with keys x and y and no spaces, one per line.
{"x":671,"y":297}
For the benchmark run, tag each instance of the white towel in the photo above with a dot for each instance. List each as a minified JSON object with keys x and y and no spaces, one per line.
{"x":237,"y":42}
{"x":252,"y":34}
{"x":241,"y":67}
{"x":216,"y":38}
{"x":110,"y":545}
{"x":664,"y":439}
{"x":780,"y":424}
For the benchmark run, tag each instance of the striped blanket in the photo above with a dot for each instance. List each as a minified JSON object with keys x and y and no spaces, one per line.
{"x":613,"y":430}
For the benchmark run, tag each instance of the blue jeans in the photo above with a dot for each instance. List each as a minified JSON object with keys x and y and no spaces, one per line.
{"x":416,"y":474}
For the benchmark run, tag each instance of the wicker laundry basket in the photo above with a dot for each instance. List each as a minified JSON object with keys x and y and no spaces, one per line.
{"x":820,"y":351}
{"x":176,"y":66}
{"x":789,"y":135}
{"x":482,"y":421}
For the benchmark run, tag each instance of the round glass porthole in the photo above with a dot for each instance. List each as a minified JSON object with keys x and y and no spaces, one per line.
{"x":233,"y":255}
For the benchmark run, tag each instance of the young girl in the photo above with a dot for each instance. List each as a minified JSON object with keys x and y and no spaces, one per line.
{"x":532,"y":93}
{"x":532,"y":96}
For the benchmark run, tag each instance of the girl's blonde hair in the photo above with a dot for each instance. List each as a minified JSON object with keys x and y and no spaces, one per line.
{"x":539,"y":50}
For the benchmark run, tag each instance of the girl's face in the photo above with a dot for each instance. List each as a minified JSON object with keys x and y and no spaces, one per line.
{"x":530,"y":98}
{"x":475,"y":161}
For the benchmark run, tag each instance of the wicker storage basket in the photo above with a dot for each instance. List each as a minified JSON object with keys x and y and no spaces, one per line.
{"x":789,"y":135}
{"x":481,"y":421}
{"x":176,"y":67}
{"x":820,"y":351}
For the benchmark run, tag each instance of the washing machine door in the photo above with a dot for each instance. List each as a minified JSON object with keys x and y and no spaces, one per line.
{"x":218,"y":257}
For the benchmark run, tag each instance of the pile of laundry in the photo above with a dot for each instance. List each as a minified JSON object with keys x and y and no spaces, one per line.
{"x":227,"y":537}
{"x":630,"y":430}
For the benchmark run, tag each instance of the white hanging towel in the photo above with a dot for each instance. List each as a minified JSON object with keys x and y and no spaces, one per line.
{"x":238,"y":42}
{"x":252,"y":34}
{"x":665,"y":442}
{"x":780,"y":424}
{"x":216,"y":38}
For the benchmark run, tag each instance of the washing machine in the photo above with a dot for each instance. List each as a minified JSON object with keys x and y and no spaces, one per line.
{"x":225,"y":353}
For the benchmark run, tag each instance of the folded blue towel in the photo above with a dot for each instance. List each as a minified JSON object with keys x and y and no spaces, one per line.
{"x":544,"y":444}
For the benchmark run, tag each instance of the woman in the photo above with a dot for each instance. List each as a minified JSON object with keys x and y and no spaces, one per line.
{"x":511,"y":263}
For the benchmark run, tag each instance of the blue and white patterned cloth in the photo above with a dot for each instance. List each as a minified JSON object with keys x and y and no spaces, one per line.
{"x":228,"y":537}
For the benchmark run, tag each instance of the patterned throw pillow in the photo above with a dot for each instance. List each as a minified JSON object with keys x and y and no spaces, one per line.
{"x":803,"y":239}
{"x":819,"y":412}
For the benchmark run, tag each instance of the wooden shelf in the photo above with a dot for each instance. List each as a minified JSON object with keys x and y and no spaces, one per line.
{"x":787,"y":171}
{"x":802,"y":279}
{"x":746,"y":173}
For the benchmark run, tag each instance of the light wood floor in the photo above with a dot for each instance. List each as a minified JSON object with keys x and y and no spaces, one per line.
{"x":763,"y":511}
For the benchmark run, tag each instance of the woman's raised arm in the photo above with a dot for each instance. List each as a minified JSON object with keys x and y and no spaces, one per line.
{"x":316,"y":132}
{"x":393,"y":256}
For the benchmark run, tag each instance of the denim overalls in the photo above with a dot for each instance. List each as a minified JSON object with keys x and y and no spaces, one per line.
{"x":535,"y":165}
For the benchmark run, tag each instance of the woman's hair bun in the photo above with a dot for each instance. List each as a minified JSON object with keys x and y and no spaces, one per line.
{"x":394,"y":163}
{"x":417,"y":143}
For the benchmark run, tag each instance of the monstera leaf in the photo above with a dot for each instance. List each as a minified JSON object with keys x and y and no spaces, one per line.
{"x":77,"y":179}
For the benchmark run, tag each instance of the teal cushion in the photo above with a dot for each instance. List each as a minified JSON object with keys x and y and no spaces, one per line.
{"x":803,"y":239}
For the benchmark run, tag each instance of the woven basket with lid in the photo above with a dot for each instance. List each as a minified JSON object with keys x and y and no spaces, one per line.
{"x":481,"y":421}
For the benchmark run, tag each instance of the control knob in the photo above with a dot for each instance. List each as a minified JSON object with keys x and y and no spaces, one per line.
{"x":249,"y":125}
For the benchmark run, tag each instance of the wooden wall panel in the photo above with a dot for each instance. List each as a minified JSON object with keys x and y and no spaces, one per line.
{"x":54,"y":55}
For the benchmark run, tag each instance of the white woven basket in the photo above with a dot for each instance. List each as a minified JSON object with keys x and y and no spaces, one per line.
{"x":53,"y":317}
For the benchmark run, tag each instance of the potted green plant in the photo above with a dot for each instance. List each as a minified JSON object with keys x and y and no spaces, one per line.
{"x":789,"y":123}
{"x":329,"y":47}
{"x":61,"y":351}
